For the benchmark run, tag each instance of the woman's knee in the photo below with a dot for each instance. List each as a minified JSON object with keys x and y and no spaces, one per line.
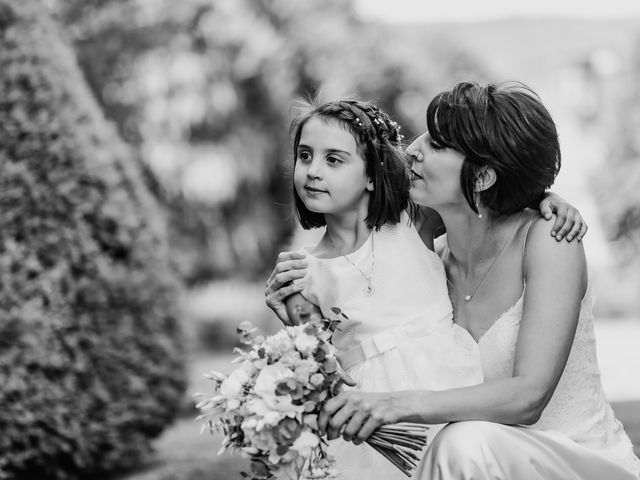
{"x":462,"y":449}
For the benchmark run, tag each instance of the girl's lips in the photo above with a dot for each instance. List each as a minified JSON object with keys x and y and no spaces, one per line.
{"x":414,"y":175}
{"x":313,"y":190}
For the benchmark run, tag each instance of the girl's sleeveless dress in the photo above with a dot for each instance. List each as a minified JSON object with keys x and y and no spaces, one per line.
{"x":399,"y":337}
{"x":577,"y":436}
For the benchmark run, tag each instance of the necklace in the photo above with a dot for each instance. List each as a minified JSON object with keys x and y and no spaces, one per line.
{"x":469,"y":296}
{"x":369,"y":290}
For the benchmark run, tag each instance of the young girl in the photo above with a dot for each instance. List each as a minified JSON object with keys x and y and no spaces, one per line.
{"x":350,"y":175}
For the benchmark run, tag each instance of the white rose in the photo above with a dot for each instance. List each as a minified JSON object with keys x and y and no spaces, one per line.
{"x":231,"y":386}
{"x":305,"y":343}
{"x":273,"y":418}
{"x":268,"y":380}
{"x":305,"y":443}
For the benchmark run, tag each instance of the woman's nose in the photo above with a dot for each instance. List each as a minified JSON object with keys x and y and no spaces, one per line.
{"x":413,"y":151}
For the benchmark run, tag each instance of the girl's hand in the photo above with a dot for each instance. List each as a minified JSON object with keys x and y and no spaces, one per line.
{"x":569,"y":223}
{"x":290,"y":266}
{"x":356,"y":415}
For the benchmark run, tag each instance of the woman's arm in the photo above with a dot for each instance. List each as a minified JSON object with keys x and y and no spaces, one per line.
{"x":280,"y":285}
{"x":300,"y":310}
{"x":555,"y":275}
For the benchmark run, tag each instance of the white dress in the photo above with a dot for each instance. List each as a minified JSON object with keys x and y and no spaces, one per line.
{"x":577,"y":436}
{"x":399,"y":337}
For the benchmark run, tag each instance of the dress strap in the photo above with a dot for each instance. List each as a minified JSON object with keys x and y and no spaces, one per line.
{"x":526,"y":234}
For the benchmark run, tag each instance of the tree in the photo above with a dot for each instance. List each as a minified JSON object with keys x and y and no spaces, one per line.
{"x":91,"y":359}
{"x":618,"y":184}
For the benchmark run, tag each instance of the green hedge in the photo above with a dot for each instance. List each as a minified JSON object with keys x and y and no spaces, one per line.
{"x":91,"y":356}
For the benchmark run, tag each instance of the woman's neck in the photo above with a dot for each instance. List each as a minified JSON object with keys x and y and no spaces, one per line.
{"x":473,"y":241}
{"x":346,"y":233}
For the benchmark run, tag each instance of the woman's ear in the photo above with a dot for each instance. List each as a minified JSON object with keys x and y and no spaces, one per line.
{"x":370,"y":185}
{"x":485,"y":178}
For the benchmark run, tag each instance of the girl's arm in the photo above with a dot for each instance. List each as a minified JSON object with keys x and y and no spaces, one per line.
{"x":569,"y":223}
{"x":555,"y":275}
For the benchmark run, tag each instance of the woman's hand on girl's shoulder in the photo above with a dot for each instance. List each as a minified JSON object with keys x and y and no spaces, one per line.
{"x":280,"y":284}
{"x":568,"y":223}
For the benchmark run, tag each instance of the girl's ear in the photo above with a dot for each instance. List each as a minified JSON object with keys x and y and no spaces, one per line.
{"x":485,"y":178}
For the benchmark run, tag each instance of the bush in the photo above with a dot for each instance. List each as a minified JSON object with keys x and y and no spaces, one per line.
{"x":91,"y":356}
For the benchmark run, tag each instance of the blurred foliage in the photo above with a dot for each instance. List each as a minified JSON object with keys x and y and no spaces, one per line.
{"x":204,"y":89}
{"x":91,"y":356}
{"x":618,"y":186}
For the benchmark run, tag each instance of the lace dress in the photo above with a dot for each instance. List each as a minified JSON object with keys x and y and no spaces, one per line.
{"x":577,"y":436}
{"x":399,"y":337}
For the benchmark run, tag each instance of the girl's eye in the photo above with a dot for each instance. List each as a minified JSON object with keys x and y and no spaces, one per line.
{"x":333,"y":160}
{"x":304,"y":156}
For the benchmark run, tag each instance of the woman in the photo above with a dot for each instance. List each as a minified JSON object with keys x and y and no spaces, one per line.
{"x":522,"y":300}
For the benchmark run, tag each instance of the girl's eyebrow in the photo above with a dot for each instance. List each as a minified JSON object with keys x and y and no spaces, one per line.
{"x":329,"y":150}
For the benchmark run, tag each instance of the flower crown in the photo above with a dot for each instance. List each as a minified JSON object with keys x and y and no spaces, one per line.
{"x":382,"y":125}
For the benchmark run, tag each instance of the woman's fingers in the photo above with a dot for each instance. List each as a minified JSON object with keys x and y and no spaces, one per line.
{"x":367,"y":429}
{"x":355,"y":424}
{"x":275,"y":301}
{"x":347,"y":380}
{"x":338,"y":422}
{"x":282,"y":280}
{"x":330,"y":407}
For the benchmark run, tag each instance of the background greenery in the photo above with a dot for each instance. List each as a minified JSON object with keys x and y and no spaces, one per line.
{"x":145,"y":172}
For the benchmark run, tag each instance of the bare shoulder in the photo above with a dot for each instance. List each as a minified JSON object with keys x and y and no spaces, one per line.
{"x":543,"y":252}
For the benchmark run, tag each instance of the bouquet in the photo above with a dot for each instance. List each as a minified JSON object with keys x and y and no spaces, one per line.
{"x":268,"y":407}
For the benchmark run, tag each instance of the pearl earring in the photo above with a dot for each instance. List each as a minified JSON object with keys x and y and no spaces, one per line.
{"x":475,"y":196}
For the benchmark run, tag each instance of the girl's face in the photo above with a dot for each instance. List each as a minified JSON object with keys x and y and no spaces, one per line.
{"x":329,"y":174}
{"x":435,"y":173}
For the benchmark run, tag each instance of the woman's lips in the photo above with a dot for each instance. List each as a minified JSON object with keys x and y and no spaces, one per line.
{"x":414,"y":175}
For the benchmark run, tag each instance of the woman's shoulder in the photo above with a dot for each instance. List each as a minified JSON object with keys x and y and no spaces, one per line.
{"x":542,"y":251}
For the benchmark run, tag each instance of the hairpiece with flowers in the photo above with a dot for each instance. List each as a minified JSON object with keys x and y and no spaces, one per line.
{"x":376,"y":124}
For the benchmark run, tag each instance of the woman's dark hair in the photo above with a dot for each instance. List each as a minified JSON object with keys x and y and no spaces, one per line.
{"x":379,"y":143}
{"x":504,"y":127}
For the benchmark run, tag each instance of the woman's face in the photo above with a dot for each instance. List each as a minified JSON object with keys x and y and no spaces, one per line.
{"x":329,"y":174}
{"x":435,"y":173}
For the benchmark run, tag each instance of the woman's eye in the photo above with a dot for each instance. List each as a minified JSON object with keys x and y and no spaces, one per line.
{"x":333,"y":160}
{"x":436,"y":146}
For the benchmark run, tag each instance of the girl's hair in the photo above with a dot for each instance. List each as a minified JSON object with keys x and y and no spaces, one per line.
{"x":504,"y":127}
{"x":378,"y":141}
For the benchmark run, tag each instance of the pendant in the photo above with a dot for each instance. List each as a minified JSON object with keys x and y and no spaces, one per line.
{"x":467,"y":298}
{"x":369,"y":290}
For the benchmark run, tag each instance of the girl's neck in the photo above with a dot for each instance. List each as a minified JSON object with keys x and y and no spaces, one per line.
{"x":473,"y":241}
{"x":345,"y":234}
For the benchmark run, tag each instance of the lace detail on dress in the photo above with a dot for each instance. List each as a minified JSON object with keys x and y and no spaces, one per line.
{"x":578,"y":407}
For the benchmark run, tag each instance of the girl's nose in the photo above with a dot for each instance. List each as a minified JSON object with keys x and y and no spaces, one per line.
{"x":314,"y":169}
